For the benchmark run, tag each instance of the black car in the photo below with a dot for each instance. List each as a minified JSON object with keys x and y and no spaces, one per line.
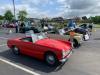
{"x":85,"y":32}
{"x":25,"y":29}
{"x":84,"y":26}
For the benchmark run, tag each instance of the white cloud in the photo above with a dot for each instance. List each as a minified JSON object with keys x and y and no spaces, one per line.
{"x":66,"y":8}
{"x":34,"y":2}
{"x":4,"y":8}
{"x":79,"y":7}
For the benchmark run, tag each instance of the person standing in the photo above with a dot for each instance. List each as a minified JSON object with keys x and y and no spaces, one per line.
{"x":71,"y":26}
{"x":90,"y":28}
{"x":22,"y":27}
{"x":16,"y":26}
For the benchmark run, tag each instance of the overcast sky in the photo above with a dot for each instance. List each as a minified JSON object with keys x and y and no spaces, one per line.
{"x":53,"y":8}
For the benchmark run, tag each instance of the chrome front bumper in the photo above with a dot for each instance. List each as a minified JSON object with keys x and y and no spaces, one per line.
{"x":66,"y":57}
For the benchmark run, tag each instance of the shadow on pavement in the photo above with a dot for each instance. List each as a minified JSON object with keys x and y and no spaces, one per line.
{"x":29,"y":62}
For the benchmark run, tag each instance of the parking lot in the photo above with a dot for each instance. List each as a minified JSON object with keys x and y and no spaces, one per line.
{"x":84,"y":60}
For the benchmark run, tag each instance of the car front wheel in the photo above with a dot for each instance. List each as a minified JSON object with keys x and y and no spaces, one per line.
{"x":15,"y":50}
{"x":51,"y":59}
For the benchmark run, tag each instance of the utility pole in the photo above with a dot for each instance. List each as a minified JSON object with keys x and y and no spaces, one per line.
{"x":14,"y":9}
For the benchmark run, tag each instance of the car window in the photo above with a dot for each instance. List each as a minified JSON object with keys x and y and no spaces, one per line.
{"x":28,"y":39}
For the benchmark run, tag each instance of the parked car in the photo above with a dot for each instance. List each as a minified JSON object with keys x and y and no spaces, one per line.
{"x":25,"y":29}
{"x":55,"y":34}
{"x":9,"y":25}
{"x":84,"y":26}
{"x":79,"y":32}
{"x":88,"y":27}
{"x":86,"y":35}
{"x":39,"y":46}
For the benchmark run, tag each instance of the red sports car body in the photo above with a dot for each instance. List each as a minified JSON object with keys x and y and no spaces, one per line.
{"x":42,"y":48}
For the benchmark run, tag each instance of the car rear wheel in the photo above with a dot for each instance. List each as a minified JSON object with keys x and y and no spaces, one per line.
{"x":15,"y":50}
{"x":51,"y":59}
{"x":75,"y":43}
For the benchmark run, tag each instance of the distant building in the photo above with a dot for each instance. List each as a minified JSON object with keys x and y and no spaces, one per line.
{"x":34,"y":20}
{"x":58,"y":19}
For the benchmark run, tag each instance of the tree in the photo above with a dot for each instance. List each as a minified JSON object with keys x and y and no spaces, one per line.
{"x":84,"y":18}
{"x":95,"y":19}
{"x":8,"y":15}
{"x":22,"y":15}
{"x":1,"y":17}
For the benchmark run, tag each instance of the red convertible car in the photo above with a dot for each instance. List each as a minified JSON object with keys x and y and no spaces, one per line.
{"x":41,"y":47}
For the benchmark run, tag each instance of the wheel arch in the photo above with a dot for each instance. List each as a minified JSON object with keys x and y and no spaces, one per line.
{"x":50,"y":52}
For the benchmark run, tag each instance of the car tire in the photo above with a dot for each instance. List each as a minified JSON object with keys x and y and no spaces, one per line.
{"x":15,"y":50}
{"x":50,"y":59}
{"x":75,"y":43}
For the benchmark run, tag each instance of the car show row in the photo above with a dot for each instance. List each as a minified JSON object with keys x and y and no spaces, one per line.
{"x":51,"y":45}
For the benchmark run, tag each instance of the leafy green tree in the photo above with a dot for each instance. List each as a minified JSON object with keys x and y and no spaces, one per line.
{"x":95,"y":19}
{"x":22,"y":15}
{"x":84,"y":18}
{"x":1,"y":17}
{"x":8,"y":15}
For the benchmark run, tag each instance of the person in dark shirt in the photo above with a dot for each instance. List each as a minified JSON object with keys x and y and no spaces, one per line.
{"x":90,"y":28}
{"x":21,"y":29}
{"x":16,"y":26}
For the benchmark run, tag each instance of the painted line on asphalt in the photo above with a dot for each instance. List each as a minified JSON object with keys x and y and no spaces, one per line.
{"x":19,"y":67}
{"x":4,"y":38}
{"x":3,"y":45}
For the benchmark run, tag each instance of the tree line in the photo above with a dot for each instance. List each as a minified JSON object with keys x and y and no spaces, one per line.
{"x":95,"y":19}
{"x":22,"y":15}
{"x":8,"y":15}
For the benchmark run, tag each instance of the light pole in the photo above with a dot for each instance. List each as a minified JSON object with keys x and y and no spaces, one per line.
{"x":67,"y":11}
{"x":14,"y":9}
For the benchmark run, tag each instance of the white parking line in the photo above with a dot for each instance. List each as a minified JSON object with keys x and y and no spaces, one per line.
{"x":19,"y":67}
{"x":3,"y":38}
{"x":3,"y":45}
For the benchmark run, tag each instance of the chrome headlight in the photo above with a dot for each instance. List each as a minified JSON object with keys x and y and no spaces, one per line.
{"x":65,"y":52}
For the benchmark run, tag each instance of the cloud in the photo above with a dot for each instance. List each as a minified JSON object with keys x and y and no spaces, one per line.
{"x":80,"y":7}
{"x":35,"y":2}
{"x":54,"y":8}
{"x":4,"y":8}
{"x":35,"y":8}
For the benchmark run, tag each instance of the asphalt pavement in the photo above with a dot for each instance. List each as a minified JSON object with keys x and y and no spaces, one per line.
{"x":84,"y":60}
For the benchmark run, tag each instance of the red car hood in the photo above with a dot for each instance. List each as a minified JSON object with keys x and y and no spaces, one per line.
{"x":54,"y":44}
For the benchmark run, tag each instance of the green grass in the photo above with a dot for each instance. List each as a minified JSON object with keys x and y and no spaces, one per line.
{"x":97,"y":25}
